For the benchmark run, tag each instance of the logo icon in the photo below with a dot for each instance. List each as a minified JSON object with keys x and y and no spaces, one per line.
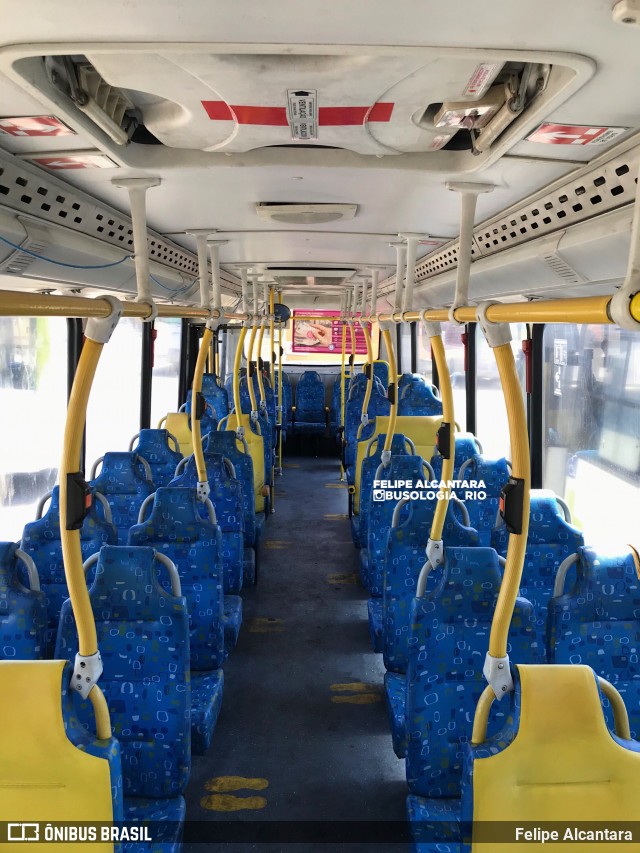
{"x":23,"y":832}
{"x":378,"y":494}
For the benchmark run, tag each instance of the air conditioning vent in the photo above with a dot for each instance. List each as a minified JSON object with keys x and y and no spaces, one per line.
{"x":293,"y":213}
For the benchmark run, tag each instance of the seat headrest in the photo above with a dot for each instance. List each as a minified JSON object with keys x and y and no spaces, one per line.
{"x":222,"y":441}
{"x":7,"y":556}
{"x":547,"y":522}
{"x":381,"y":371}
{"x":175,"y":506}
{"x":358,"y":387}
{"x":418,"y":398}
{"x":398,"y":444}
{"x":310,"y":376}
{"x":469,"y":586}
{"x":155,"y":439}
{"x":210,"y":386}
{"x":466,"y":447}
{"x":607,"y":587}
{"x":121,"y":472}
{"x":126,"y":582}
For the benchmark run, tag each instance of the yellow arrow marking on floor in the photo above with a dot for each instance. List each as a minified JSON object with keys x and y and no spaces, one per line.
{"x":335,"y":516}
{"x":266,"y":625}
{"x":340,"y":578}
{"x":230,"y":803}
{"x":356,"y":693}
{"x":277,"y":544}
{"x":224,"y":784}
{"x":223,"y":801}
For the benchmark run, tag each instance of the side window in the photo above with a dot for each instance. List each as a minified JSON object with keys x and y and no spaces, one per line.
{"x":423,"y":365}
{"x":113,"y":414}
{"x":592,"y":428}
{"x":165,"y":376}
{"x":492,"y":426}
{"x":33,"y":395}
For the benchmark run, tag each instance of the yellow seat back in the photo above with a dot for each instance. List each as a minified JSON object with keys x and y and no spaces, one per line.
{"x":177,"y":423}
{"x":256,"y":451}
{"x":43,"y":776}
{"x":563,"y":764}
{"x":421,"y":429}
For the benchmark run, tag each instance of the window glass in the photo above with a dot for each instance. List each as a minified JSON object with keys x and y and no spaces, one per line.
{"x":423,"y":365}
{"x":592,"y":428}
{"x":492,"y":425}
{"x":113,"y":414}
{"x":33,"y":395}
{"x":454,"y":351}
{"x":405,"y":347}
{"x":166,"y":368}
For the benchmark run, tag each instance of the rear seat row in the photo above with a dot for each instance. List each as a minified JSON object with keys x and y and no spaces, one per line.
{"x":434,"y":645}
{"x":164,"y":574}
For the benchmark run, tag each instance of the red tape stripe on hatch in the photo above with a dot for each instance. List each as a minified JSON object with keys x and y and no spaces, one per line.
{"x":277,"y":116}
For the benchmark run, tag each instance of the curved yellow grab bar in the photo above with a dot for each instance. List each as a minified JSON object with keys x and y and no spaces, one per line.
{"x":70,"y":539}
{"x":393,"y":383}
{"x":517,"y":418}
{"x":367,"y":393}
{"x":448,"y":416}
{"x":263,"y":399}
{"x":272,"y":338}
{"x":196,"y":389}
{"x":236,"y":373}
{"x":252,"y":393}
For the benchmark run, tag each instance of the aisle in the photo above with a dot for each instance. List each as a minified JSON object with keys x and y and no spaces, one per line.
{"x":303,"y":720}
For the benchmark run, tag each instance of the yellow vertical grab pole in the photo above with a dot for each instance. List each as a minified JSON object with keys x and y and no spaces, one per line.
{"x":272,"y":337}
{"x":514,"y":504}
{"x":342,"y":392}
{"x":196,"y":403}
{"x":88,"y":664}
{"x":392,"y":392}
{"x":280,"y":410}
{"x":447,"y":448}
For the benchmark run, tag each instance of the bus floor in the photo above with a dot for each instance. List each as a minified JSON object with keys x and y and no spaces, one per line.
{"x":302,"y":749}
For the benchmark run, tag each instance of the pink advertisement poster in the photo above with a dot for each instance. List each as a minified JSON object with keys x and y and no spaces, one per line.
{"x":323,"y":334}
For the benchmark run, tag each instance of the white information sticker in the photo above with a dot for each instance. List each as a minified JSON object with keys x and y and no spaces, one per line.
{"x":302,"y":113}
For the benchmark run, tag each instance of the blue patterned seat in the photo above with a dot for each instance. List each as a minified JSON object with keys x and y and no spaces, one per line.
{"x":155,"y":445}
{"x":174,"y":527}
{"x":449,"y":639}
{"x":226,"y":443}
{"x":124,"y":481}
{"x":226,"y":497}
{"x":551,"y":539}
{"x":310,"y":414}
{"x":404,"y":559}
{"x":370,"y":464}
{"x":263,"y":426}
{"x":381,"y":372}
{"x":41,"y":541}
{"x":143,"y":637}
{"x":23,"y":610}
{"x":467,"y":445}
{"x":216,"y":395}
{"x":372,"y":558}
{"x":416,"y":397}
{"x":597,"y":622}
{"x":208,"y":421}
{"x":494,"y":473}
{"x":287,"y":402}
{"x":378,"y":405}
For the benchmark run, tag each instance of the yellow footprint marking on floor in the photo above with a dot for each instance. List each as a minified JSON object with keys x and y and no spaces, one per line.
{"x":335,"y":485}
{"x":356,"y":693}
{"x":266,"y":625}
{"x":277,"y":544}
{"x":224,"y":784}
{"x":341,"y":578}
{"x":291,"y":465}
{"x":230,"y":803}
{"x":335,"y":516}
{"x":224,"y":801}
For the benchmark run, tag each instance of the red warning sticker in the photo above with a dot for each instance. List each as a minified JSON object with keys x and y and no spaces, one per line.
{"x":35,"y":126}
{"x":482,"y":77}
{"x":574,"y":134}
{"x":81,"y":160}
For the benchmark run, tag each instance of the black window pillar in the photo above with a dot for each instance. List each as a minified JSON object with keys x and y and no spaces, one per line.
{"x":148,"y":338}
{"x":75,"y":340}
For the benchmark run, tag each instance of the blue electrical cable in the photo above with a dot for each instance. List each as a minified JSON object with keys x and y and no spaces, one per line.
{"x":170,"y":289}
{"x":62,"y":263}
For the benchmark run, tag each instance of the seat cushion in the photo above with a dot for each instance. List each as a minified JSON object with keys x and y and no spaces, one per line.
{"x":436,"y":825}
{"x":206,"y":701}
{"x":172,"y":812}
{"x":232,"y":621}
{"x":249,"y":567}
{"x":374,"y":610}
{"x":364,"y":566}
{"x":396,"y":696}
